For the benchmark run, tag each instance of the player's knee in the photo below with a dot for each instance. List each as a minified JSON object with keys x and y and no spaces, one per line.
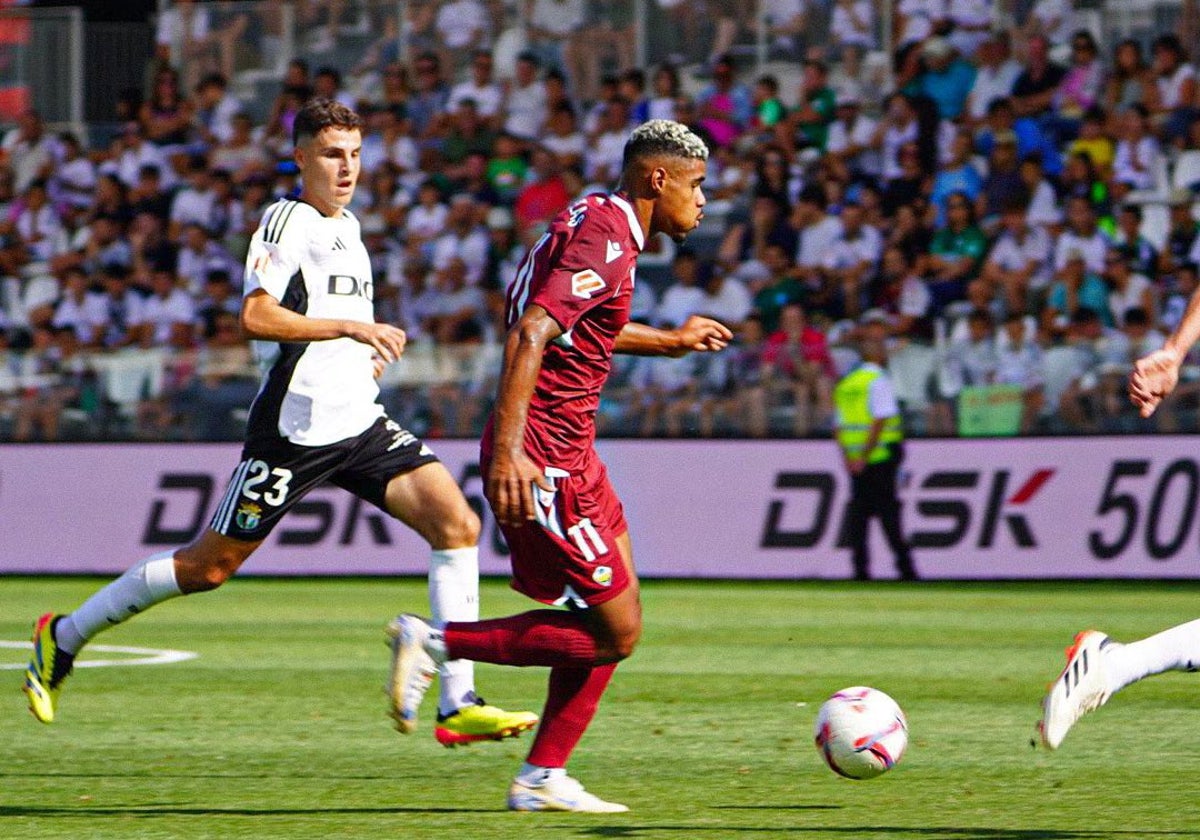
{"x":457,"y":531}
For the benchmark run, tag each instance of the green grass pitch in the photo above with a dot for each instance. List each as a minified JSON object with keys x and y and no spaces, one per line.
{"x":277,"y":729}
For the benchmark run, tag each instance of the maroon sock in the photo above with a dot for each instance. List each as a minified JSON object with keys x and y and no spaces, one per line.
{"x":541,"y":637}
{"x":571,"y":703}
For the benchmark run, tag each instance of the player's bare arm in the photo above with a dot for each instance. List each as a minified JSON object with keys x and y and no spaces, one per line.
{"x":265,"y":319}
{"x":1156,"y":374}
{"x":697,"y":335}
{"x":512,"y":476}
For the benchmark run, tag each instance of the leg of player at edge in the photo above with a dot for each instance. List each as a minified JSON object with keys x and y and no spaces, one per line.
{"x":1098,"y":667}
{"x":581,"y":648}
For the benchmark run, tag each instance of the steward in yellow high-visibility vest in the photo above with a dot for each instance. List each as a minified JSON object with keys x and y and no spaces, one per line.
{"x":869,"y":430}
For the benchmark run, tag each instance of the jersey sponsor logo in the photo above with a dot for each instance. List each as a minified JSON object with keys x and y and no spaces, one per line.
{"x":586,"y":283}
{"x":612,"y":251}
{"x":348,"y":285}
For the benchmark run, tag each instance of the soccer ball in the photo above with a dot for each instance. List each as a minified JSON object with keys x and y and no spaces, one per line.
{"x":861,"y":732}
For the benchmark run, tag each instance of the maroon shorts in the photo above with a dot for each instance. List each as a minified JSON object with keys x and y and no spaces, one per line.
{"x":569,"y":556}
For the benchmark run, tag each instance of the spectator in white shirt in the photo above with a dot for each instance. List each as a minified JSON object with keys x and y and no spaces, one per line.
{"x":133,"y":152}
{"x":462,"y":26}
{"x":918,"y":18}
{"x":607,"y":149}
{"x":816,"y":231}
{"x":74,"y":178}
{"x":971,"y":21}
{"x":168,"y":316}
{"x":525,"y":99}
{"x":29,"y":149}
{"x":192,"y":205}
{"x":1082,"y":235}
{"x":80,"y":309}
{"x":427,"y":218}
{"x":1128,"y":290}
{"x":852,"y":136}
{"x":1018,"y":262}
{"x":853,"y":24}
{"x":38,"y":224}
{"x":565,"y":139}
{"x":464,"y":239}
{"x":1053,"y":19}
{"x":200,"y":255}
{"x":215,"y":109}
{"x":726,"y":298}
{"x":995,"y":74}
{"x":851,"y":259}
{"x":1137,"y":156}
{"x":481,"y":88}
{"x":684,"y":296}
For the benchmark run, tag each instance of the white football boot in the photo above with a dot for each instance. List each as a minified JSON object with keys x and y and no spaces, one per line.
{"x":560,"y":793}
{"x":412,"y":669}
{"x":1081,"y":687}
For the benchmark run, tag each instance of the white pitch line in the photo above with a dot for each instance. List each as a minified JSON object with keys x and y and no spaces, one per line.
{"x":144,"y":656}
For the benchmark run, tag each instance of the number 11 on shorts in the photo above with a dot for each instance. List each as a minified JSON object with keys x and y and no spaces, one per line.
{"x":584,"y":532}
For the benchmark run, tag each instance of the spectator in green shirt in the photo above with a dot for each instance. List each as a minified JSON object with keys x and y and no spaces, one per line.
{"x":781,"y":288}
{"x":956,"y":253}
{"x":810,"y":121}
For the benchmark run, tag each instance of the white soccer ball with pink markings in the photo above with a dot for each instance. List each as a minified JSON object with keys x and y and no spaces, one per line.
{"x":861,"y":732}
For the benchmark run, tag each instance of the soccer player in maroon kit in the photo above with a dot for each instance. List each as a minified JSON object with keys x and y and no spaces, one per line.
{"x":568,"y":312}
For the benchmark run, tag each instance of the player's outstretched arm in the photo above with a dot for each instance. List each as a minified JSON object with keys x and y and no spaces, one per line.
{"x":512,"y":475}
{"x":1156,"y":374}
{"x":265,"y":319}
{"x":697,"y":334}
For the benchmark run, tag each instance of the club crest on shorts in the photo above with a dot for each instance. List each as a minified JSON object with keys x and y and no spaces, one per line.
{"x":248,"y":516}
{"x":602,"y":575}
{"x":585,"y":283}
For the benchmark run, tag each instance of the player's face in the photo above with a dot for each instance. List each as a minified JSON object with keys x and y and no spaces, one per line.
{"x":329,"y":166}
{"x":681,"y":203}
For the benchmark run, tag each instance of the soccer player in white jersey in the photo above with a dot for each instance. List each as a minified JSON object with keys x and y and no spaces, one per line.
{"x":308,"y":306}
{"x":1097,"y":666}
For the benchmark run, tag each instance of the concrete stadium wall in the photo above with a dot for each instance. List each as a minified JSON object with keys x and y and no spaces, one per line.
{"x":1031,"y":508}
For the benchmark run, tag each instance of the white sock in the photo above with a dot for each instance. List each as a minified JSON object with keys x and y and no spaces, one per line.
{"x":533,"y":775}
{"x":454,"y":596}
{"x":150,"y":582}
{"x":1176,"y":649}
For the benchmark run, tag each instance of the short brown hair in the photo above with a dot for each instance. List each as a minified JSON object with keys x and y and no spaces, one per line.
{"x":320,"y":113}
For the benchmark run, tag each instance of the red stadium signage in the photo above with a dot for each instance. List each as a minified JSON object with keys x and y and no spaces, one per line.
{"x":1034,"y":508}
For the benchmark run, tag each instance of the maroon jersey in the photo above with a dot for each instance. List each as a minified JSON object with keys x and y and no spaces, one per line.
{"x":581,"y":273}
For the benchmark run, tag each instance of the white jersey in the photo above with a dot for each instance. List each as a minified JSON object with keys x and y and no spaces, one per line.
{"x":320,"y":392}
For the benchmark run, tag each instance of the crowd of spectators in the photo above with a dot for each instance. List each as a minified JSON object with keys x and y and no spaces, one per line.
{"x":1016,"y":211}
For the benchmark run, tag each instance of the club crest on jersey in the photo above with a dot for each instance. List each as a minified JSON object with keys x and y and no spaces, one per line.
{"x":248,"y":516}
{"x":585,"y":283}
{"x":602,"y":575}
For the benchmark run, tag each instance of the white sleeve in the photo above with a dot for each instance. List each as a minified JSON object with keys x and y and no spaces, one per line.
{"x":881,"y":398}
{"x":276,"y":250}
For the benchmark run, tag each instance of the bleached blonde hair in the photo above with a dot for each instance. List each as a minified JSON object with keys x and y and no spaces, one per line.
{"x":663,"y":137}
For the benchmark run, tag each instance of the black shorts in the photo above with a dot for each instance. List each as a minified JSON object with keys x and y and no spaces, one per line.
{"x":275,"y":474}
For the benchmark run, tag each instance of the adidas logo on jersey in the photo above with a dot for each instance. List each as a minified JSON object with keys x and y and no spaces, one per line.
{"x":338,"y":245}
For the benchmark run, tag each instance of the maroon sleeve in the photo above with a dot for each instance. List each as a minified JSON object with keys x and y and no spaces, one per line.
{"x":581,"y":277}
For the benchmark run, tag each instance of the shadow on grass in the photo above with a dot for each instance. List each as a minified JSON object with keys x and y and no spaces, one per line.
{"x":170,"y":811}
{"x":942,"y":833}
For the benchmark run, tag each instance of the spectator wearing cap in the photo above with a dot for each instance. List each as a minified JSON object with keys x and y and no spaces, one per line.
{"x":463,"y":239}
{"x":525,"y":99}
{"x":946,"y":79}
{"x":852,"y":136}
{"x":481,"y":88}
